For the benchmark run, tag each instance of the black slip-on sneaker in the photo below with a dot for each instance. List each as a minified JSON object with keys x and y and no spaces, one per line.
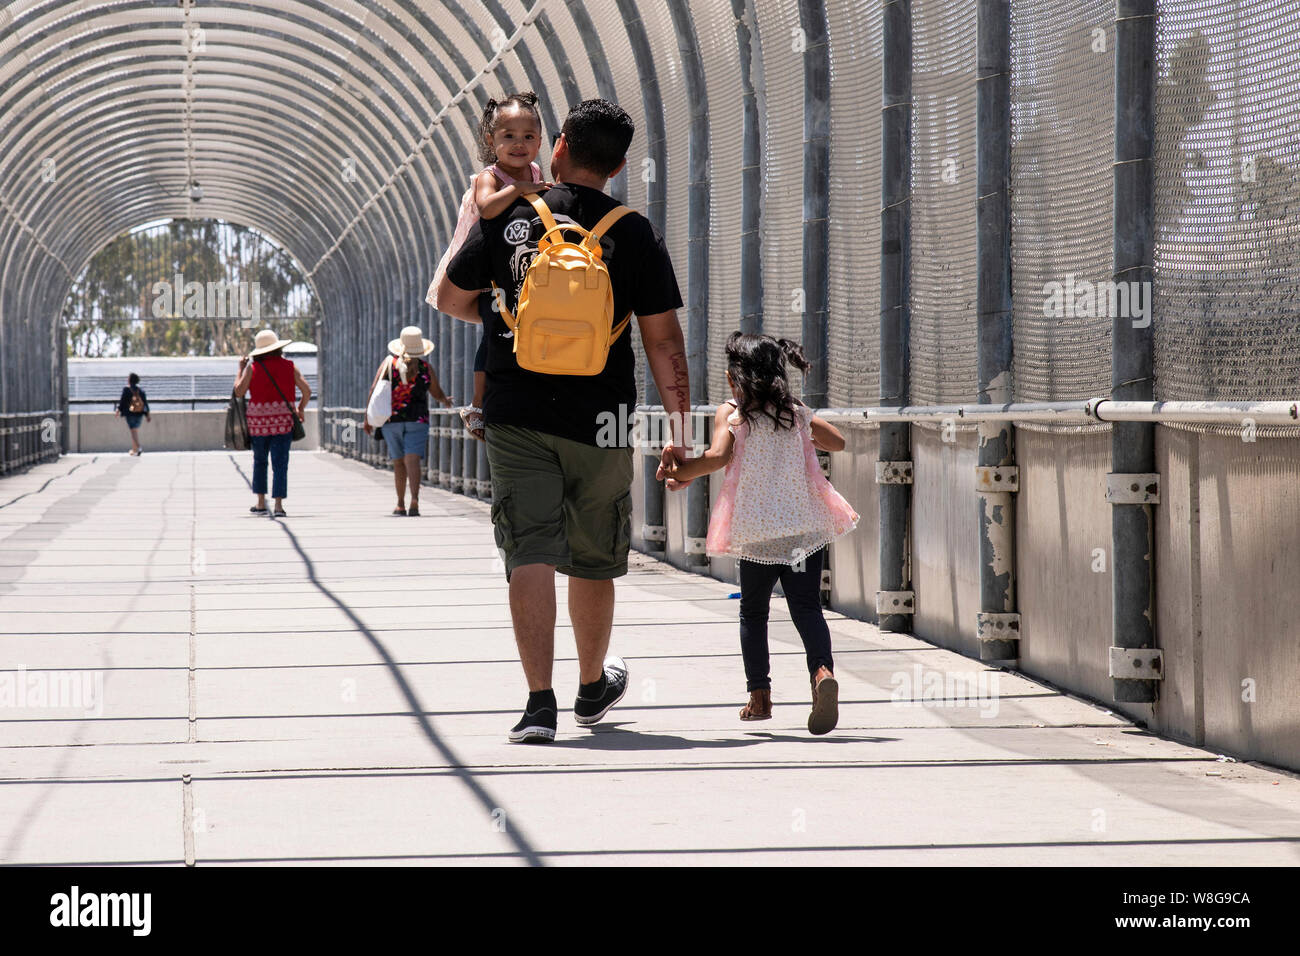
{"x":588,"y":711}
{"x":535,"y":727}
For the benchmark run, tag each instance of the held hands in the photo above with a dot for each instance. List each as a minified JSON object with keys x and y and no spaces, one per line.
{"x":670,"y":463}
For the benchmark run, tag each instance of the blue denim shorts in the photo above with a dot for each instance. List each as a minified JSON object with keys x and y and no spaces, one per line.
{"x":406,"y":438}
{"x":134,"y":419}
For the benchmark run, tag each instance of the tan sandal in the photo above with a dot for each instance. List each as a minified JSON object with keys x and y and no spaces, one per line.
{"x":759,"y":706}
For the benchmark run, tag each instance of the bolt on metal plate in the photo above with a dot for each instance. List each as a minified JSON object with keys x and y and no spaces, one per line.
{"x":992,"y":626}
{"x":991,"y":479}
{"x":1133,"y":489}
{"x":1137,"y":663}
{"x":895,"y":602}
{"x":893,"y":472}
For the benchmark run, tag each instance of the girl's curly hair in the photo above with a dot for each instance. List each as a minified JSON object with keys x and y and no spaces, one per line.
{"x":757,"y":365}
{"x":526,"y":100}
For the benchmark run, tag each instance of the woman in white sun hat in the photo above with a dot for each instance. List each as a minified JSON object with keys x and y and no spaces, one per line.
{"x":272,"y":379}
{"x":413,"y":382}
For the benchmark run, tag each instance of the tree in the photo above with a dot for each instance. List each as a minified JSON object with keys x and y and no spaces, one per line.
{"x":111,"y":307}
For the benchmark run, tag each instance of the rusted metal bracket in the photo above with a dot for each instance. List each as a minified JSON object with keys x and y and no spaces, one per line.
{"x":997,"y":479}
{"x":1137,"y":663}
{"x":893,"y":472}
{"x":1124,"y":489}
{"x":895,"y":602}
{"x":990,"y":626}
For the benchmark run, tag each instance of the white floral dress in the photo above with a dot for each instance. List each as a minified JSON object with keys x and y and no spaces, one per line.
{"x":776,"y":506}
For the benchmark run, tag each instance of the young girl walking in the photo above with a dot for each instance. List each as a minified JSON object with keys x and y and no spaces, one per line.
{"x":777,"y":512}
{"x":510,"y":136}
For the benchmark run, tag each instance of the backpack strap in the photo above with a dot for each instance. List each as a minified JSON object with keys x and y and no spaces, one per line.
{"x":543,"y":213}
{"x":599,"y":229}
{"x":593,"y":243}
{"x":620,"y":328}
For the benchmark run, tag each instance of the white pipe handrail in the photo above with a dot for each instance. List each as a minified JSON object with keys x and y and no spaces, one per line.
{"x":826,"y":414}
{"x":1100,"y":410}
{"x":46,"y":413}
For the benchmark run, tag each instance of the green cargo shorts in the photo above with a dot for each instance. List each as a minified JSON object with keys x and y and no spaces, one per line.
{"x":560,"y":502}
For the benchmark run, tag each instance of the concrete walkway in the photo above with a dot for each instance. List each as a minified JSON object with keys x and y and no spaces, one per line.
{"x":336,"y":687}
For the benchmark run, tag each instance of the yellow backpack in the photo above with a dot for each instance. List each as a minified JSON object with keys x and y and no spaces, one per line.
{"x":564,"y":321}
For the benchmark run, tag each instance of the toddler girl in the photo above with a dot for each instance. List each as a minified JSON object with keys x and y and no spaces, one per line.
{"x":510,"y":136}
{"x":777,"y":512}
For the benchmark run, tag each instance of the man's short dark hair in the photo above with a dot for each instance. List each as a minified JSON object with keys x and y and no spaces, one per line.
{"x":598,"y":133}
{"x":133,"y":379}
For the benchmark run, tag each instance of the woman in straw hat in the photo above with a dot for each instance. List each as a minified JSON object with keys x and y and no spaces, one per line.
{"x":407,"y":430}
{"x":272,"y":379}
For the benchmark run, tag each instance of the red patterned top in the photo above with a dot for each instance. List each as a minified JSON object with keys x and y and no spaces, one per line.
{"x":267,"y":412}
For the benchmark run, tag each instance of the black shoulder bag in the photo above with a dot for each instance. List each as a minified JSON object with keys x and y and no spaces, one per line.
{"x":237,"y":436}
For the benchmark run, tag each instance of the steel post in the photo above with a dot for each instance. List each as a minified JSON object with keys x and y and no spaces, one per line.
{"x":998,"y":624}
{"x":1135,"y":677}
{"x":895,"y":602}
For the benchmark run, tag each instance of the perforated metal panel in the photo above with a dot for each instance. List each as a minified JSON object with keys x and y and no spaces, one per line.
{"x":567,"y":33}
{"x":943,"y":207}
{"x":715,"y":28}
{"x":781,"y":104}
{"x":1227,"y":265}
{"x":855,"y":40}
{"x":1063,"y":143}
{"x":677,"y":124}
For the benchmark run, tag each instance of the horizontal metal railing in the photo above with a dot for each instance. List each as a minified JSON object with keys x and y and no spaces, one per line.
{"x":1089,"y":411}
{"x":343,"y":432}
{"x":190,"y":401}
{"x":1100,"y":410}
{"x":27,"y":438}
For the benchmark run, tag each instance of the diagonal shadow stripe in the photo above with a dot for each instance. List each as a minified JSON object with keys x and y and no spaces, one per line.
{"x":37,"y":491}
{"x":462,"y":772}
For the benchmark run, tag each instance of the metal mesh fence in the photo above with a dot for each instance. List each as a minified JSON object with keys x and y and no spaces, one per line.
{"x":619,"y":56}
{"x":781,"y":99}
{"x":716,"y":27}
{"x":943,"y":206}
{"x":1227,"y":263}
{"x":855,"y":41}
{"x":1063,"y":136}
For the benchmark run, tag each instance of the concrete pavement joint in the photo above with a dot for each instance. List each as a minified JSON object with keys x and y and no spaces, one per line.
{"x":187,"y":819}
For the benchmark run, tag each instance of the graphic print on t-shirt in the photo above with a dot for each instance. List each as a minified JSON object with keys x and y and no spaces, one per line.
{"x":523,"y":233}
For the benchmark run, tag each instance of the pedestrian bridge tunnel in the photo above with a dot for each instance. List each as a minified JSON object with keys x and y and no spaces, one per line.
{"x":925,"y":193}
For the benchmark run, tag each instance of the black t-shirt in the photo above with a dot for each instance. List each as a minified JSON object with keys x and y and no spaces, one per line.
{"x":499,"y":251}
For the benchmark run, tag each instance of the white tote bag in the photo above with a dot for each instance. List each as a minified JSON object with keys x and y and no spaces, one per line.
{"x":380,"y":407}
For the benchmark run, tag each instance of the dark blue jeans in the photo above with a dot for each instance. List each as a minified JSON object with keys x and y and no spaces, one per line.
{"x":803,"y":598}
{"x":278,"y":448}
